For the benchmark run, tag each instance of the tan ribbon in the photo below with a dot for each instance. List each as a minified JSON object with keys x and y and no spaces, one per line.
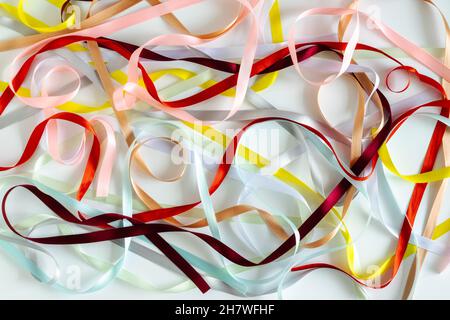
{"x":91,"y":21}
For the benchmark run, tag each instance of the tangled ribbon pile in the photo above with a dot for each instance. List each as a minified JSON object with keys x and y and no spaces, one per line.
{"x":138,"y":113}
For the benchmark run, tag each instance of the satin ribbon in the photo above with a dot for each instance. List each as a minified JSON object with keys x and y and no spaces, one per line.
{"x":93,"y":157}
